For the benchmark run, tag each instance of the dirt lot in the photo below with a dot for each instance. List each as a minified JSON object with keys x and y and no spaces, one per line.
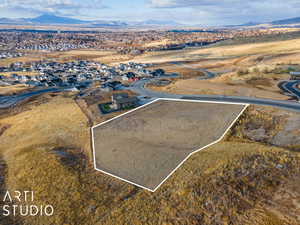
{"x":146,"y":145}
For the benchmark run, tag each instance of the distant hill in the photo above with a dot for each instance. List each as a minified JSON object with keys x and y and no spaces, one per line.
{"x":53,"y":19}
{"x":43,"y":19}
{"x":283,"y":22}
{"x":106,"y":23}
{"x":295,"y":20}
{"x":50,"y":19}
{"x":159,"y":23}
{"x":250,"y":24}
{"x":12,"y":21}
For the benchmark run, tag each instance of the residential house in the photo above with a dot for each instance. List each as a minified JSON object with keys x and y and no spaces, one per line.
{"x":295,"y":75}
{"x":123,"y":101}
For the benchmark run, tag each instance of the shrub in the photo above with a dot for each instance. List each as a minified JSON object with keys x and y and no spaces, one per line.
{"x":241,"y":72}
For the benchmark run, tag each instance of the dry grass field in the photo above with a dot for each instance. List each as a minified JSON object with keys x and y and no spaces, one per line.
{"x":195,"y":86}
{"x":95,"y":55}
{"x":243,"y":180}
{"x":159,"y":43}
{"x":67,"y":56}
{"x":225,"y":52}
{"x":229,"y":183}
{"x":270,"y":126}
{"x":185,"y":72}
{"x":45,"y":145}
{"x":34,"y":56}
{"x":245,"y":69}
{"x":13,"y":89}
{"x":7,"y":74}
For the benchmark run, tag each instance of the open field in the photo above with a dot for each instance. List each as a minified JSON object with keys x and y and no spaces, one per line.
{"x":45,"y":144}
{"x":195,"y":86}
{"x":276,"y":52}
{"x":252,"y":69}
{"x":270,"y":126}
{"x":29,"y":58}
{"x":29,"y":122}
{"x":96,"y":55}
{"x":7,"y":74}
{"x":66,"y":56}
{"x":185,"y":72}
{"x":222,"y":52}
{"x":290,"y":46}
{"x":235,"y":183}
{"x":31,"y":148}
{"x":159,"y":43}
{"x":286,"y":34}
{"x":152,"y":141}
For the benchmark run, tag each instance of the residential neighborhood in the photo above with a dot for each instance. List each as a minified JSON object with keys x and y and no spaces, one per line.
{"x":124,"y":42}
{"x":77,"y":74}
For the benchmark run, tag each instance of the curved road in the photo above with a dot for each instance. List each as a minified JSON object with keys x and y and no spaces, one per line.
{"x":139,"y":87}
{"x":291,"y":87}
{"x":8,"y":101}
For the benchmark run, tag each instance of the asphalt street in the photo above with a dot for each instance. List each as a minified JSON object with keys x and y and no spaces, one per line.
{"x":140,"y":88}
{"x":9,"y":101}
{"x":291,"y":87}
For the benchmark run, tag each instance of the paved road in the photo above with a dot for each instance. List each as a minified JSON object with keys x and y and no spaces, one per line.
{"x":139,"y":87}
{"x":8,"y":101}
{"x":291,"y":87}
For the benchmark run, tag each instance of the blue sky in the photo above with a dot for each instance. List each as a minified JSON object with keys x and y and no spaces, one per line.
{"x":200,"y":12}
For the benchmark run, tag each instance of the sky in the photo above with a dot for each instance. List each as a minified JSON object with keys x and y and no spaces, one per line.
{"x":196,"y":12}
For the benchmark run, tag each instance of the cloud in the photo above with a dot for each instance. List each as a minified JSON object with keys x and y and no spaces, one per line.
{"x":61,"y":7}
{"x":232,"y":11}
{"x":181,"y":3}
{"x":203,"y":12}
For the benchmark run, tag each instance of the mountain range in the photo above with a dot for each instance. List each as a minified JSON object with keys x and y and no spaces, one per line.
{"x":51,"y":19}
{"x":295,"y":20}
{"x":283,"y":22}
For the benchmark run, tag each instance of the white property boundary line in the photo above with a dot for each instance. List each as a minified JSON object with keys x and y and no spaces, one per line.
{"x":189,"y":155}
